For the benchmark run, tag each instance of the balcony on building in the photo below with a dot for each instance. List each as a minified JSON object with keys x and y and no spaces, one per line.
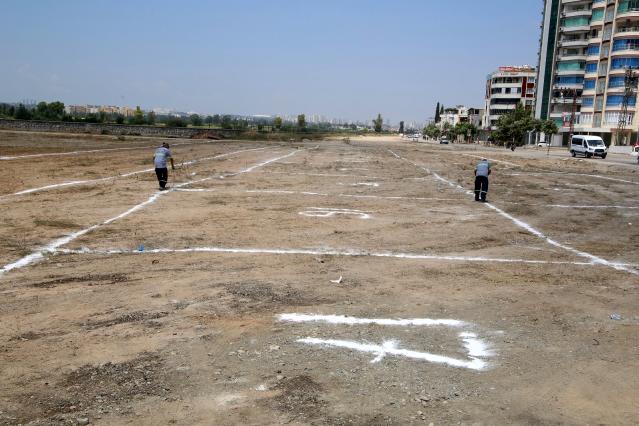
{"x":627,"y":28}
{"x":575,"y":24}
{"x":627,"y":9}
{"x":628,"y":47}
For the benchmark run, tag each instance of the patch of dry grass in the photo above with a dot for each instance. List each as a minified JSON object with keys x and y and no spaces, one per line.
{"x":55,"y":223}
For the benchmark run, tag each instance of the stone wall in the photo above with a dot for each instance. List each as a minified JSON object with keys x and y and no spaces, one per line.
{"x":113,"y":129}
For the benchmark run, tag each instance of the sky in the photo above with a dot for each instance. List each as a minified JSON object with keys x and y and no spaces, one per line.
{"x":348,"y":59}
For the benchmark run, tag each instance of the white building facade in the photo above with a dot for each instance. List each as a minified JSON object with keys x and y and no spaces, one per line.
{"x":505,"y":89}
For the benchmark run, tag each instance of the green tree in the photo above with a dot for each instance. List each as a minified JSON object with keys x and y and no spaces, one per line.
{"x":175,"y":122}
{"x":23,"y":113}
{"x":378,"y":123}
{"x":227,"y":122}
{"x":465,"y":130}
{"x":437,"y":113}
{"x":301,"y":121}
{"x":138,"y":116}
{"x":432,"y":131}
{"x":217,"y":120}
{"x":195,"y":120}
{"x":56,"y":110}
{"x":277,"y":123}
{"x":151,"y":118}
{"x":53,"y":111}
{"x":513,"y":126}
{"x":548,"y":128}
{"x":448,"y":131}
{"x":209,"y":120}
{"x":401,"y":127}
{"x":119,"y":119}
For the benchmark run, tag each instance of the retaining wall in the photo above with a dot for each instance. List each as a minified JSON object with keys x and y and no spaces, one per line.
{"x":112,"y":129}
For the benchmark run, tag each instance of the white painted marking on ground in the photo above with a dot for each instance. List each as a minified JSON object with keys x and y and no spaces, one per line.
{"x":371,"y":184}
{"x":90,"y":151}
{"x":593,"y":259}
{"x":575,"y":206}
{"x":346,"y":320}
{"x":475,"y":347}
{"x":124,"y":175}
{"x":40,"y":253}
{"x":492,"y":159}
{"x":325,"y":212}
{"x":195,"y":190}
{"x":321,"y":175}
{"x":330,"y":212}
{"x":572,"y":174}
{"x":333,"y":252}
{"x":563,"y":206}
{"x":374,"y":197}
{"x":392,"y":348}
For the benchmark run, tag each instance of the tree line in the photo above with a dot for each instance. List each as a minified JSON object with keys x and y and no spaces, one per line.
{"x":55,"y":111}
{"x":511,"y":128}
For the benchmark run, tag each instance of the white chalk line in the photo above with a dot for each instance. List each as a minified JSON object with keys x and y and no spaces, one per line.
{"x":476,"y":348}
{"x":321,"y":175}
{"x":370,"y":184}
{"x":573,"y":174}
{"x":196,"y":190}
{"x":346,"y":320}
{"x":391,"y":348}
{"x":325,"y":212}
{"x":593,"y":259}
{"x":90,"y":151}
{"x":373,"y":197}
{"x":571,"y":206}
{"x":508,"y":163}
{"x":40,"y":254}
{"x":124,"y":175}
{"x":333,"y":252}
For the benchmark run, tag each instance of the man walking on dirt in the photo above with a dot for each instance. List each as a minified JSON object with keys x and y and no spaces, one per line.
{"x":160,"y":158}
{"x":482,"y":171}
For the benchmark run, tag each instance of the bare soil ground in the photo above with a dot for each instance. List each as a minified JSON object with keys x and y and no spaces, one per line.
{"x":165,"y":308}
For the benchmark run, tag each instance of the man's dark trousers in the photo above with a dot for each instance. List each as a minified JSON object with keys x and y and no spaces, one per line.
{"x":481,"y":187}
{"x":163,"y":176}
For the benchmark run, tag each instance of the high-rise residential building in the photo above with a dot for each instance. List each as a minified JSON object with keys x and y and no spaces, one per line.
{"x":505,"y":89}
{"x":586,"y":46}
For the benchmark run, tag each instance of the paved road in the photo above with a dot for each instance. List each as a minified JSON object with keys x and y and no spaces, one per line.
{"x":617,"y":159}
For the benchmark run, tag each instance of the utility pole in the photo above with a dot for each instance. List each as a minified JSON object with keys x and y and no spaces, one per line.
{"x":573,"y":110}
{"x":630,"y":90}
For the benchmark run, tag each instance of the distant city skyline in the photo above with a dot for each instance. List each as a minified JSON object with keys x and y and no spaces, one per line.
{"x":351,"y":60}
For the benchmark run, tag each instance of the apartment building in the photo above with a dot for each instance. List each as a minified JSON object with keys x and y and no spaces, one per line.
{"x":586,"y":46}
{"x":461,"y":114}
{"x":505,"y":89}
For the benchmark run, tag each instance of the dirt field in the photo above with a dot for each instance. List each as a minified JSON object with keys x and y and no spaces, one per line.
{"x":316,"y":283}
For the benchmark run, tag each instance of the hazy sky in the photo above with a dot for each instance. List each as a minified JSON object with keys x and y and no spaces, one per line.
{"x":347,"y":58}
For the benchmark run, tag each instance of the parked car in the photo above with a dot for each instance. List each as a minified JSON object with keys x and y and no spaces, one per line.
{"x":588,"y":146}
{"x":444,"y":141}
{"x":543,"y":144}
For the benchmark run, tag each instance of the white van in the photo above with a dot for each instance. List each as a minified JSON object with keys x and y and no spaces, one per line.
{"x":588,"y":146}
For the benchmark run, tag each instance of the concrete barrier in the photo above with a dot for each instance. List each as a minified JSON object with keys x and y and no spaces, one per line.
{"x":114,"y":129}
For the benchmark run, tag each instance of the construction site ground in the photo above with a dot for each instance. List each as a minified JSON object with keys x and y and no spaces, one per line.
{"x":333,"y":282}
